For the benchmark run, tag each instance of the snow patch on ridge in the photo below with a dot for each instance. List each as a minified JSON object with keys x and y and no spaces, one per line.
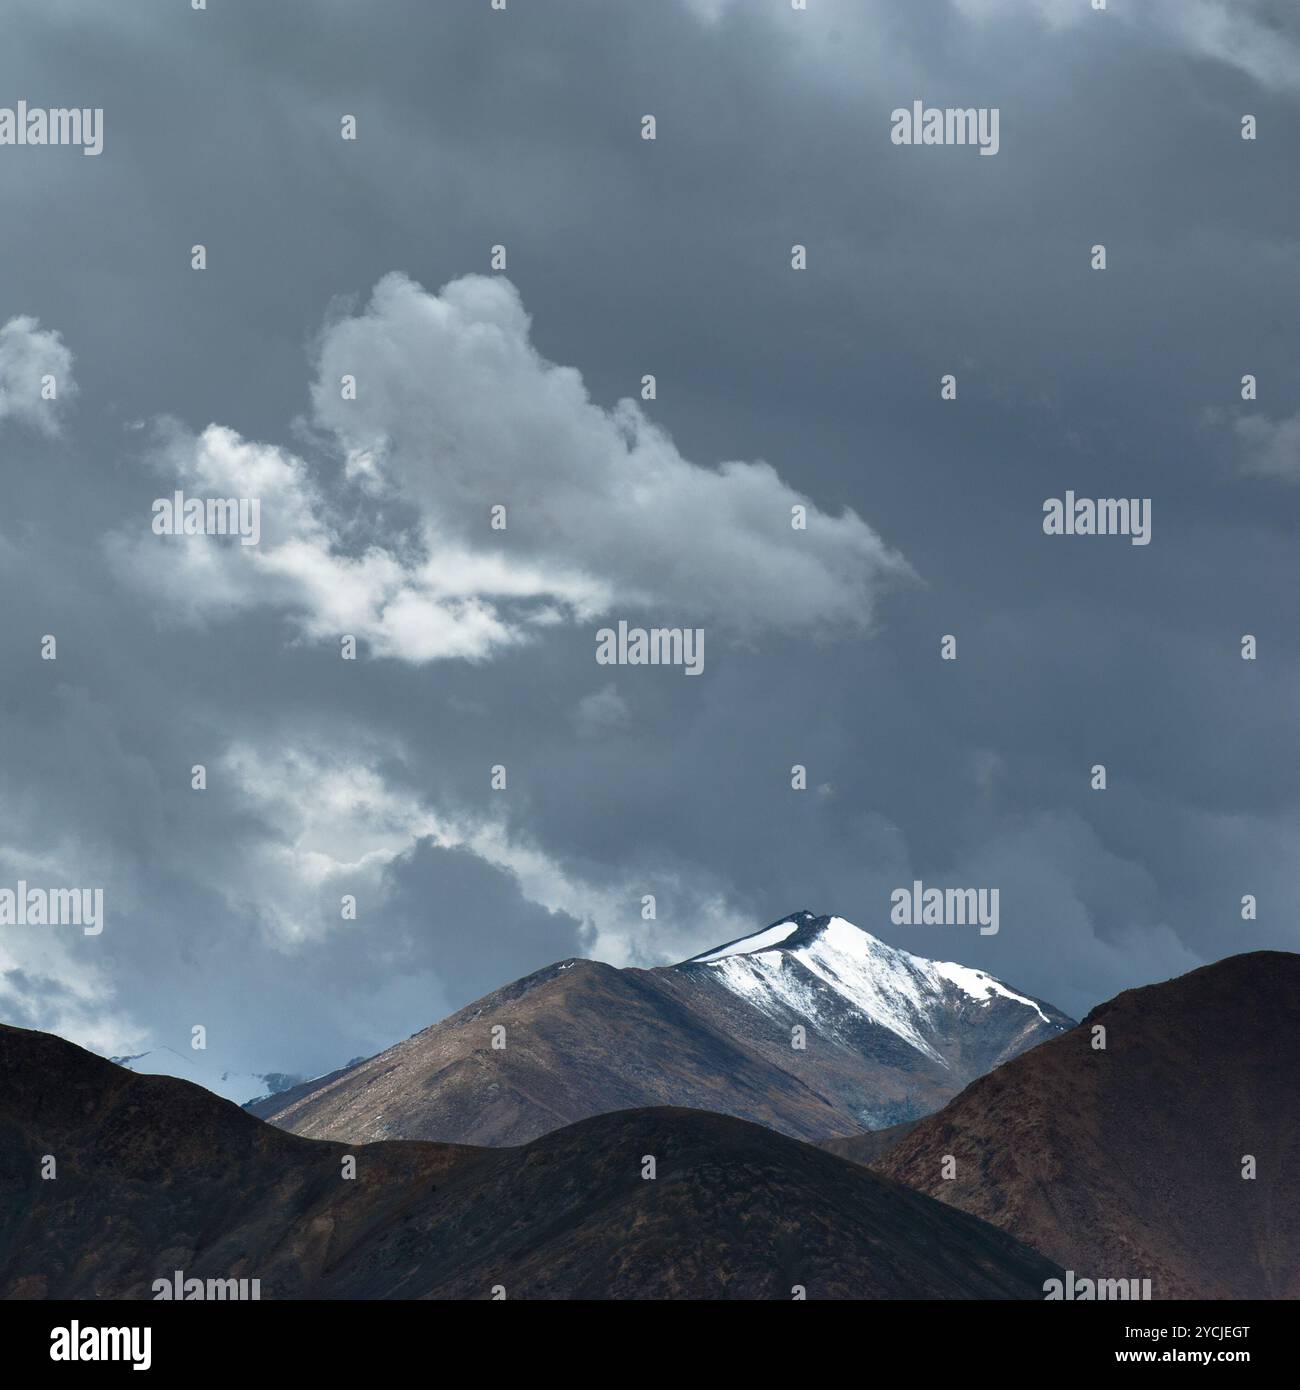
{"x":979,"y":985}
{"x":759,"y":941}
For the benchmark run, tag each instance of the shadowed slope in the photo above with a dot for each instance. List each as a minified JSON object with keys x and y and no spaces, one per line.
{"x":156,"y":1175}
{"x":1127,"y":1162}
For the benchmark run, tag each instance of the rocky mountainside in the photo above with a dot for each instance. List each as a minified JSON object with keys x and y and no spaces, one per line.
{"x":155,"y":1175}
{"x":1128,"y":1162}
{"x":811,"y":1026}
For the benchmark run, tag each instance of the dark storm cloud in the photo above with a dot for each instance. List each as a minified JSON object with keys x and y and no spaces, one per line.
{"x":673,"y":257}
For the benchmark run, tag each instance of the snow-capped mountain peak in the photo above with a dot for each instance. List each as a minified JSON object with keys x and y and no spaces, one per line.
{"x":836,"y":974}
{"x":810,"y":1026}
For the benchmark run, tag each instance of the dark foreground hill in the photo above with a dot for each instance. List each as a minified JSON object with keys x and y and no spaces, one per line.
{"x":1128,"y":1162}
{"x":155,"y":1175}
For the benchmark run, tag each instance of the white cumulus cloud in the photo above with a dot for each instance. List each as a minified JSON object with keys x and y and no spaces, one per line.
{"x":32,"y":358}
{"x":387,"y":536}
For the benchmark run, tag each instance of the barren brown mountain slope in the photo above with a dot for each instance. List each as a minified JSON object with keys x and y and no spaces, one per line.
{"x":1127,"y":1162}
{"x":887,"y":1037}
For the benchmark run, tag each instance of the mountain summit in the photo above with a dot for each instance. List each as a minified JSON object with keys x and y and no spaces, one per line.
{"x":810,"y":1026}
{"x":828,"y":970}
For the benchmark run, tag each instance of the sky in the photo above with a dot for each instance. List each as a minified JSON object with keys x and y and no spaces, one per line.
{"x":521,"y":387}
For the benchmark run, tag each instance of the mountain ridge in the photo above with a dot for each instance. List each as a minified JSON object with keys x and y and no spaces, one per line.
{"x":886,"y":1037}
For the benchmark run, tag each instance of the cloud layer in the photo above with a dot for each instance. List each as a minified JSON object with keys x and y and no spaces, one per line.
{"x":672,"y":257}
{"x":439,"y":409}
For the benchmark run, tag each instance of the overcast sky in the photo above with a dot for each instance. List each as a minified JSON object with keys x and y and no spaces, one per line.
{"x":776,"y":388}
